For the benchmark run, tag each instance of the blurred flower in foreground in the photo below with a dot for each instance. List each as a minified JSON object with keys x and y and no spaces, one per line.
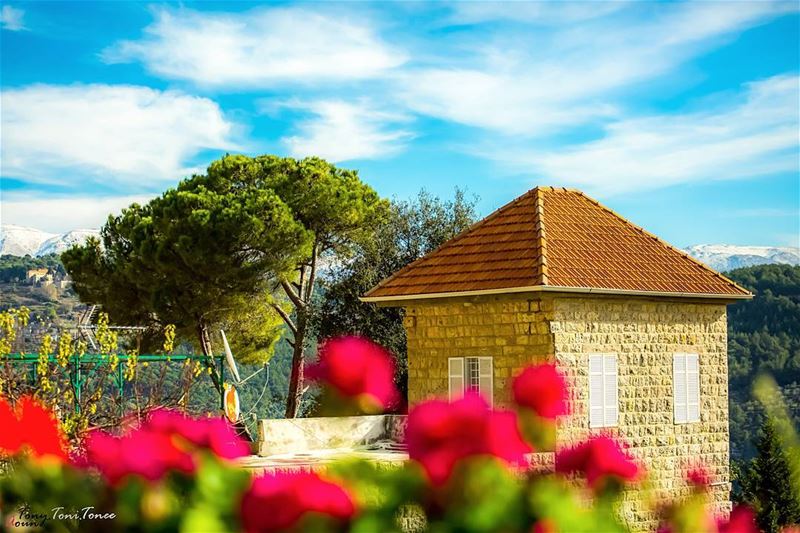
{"x":439,"y":434}
{"x":542,"y":389}
{"x":357,"y":369}
{"x":599,"y":459}
{"x":698,"y":477}
{"x":32,"y":428}
{"x":742,"y":520}
{"x":166,"y":441}
{"x":278,"y":501}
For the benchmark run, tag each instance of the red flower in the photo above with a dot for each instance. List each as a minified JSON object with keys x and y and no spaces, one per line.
{"x":170,"y":440}
{"x":277,"y":501}
{"x":439,"y":434}
{"x":598,"y":458}
{"x":698,"y":477}
{"x":357,"y":368}
{"x":541,"y":388}
{"x":214,"y":434}
{"x":143,"y":452}
{"x":30,"y":427}
{"x":742,"y":520}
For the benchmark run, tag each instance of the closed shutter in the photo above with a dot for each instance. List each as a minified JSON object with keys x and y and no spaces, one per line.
{"x":686,"y":386}
{"x":455,"y":373}
{"x":610,"y":411}
{"x":603,"y":398}
{"x":486,"y":379}
{"x":679,"y":387}
{"x":693,"y":388}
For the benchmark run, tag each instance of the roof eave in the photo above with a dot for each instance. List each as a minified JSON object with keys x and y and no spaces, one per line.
{"x":552,"y":288}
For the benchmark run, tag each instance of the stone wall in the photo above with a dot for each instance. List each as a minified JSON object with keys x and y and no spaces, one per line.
{"x":517,"y":330}
{"x":645,"y":335}
{"x":511,"y":329}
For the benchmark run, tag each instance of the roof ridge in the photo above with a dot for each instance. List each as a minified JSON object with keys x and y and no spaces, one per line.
{"x":452,"y":240}
{"x":643,"y":231}
{"x":539,"y":231}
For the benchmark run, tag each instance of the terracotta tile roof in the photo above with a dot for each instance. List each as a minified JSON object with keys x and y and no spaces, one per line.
{"x":555,"y":239}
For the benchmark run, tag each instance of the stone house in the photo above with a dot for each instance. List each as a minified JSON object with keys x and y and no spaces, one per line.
{"x":637,"y":326}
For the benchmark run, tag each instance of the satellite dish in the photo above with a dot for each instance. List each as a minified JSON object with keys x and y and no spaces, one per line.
{"x":229,"y":358}
{"x":231,"y":403}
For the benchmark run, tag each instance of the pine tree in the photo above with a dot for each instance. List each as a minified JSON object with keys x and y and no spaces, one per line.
{"x":766,"y":483}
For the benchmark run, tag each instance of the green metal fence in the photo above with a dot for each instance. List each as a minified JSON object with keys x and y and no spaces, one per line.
{"x":83,"y":367}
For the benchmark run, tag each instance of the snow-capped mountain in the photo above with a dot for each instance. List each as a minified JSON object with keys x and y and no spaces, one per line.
{"x":20,"y":240}
{"x":723,"y":257}
{"x":60,"y":243}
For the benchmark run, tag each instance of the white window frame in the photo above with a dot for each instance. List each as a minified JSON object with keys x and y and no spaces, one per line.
{"x":470,"y":373}
{"x":603,"y":407}
{"x":686,"y":376}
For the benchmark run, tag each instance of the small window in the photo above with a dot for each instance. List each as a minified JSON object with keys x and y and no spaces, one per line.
{"x":470,"y":374}
{"x":686,"y":387}
{"x":603,"y":410}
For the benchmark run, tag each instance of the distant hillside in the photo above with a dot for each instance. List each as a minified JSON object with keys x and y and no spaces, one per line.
{"x":725,"y":257}
{"x":21,"y":241}
{"x":763,"y":336}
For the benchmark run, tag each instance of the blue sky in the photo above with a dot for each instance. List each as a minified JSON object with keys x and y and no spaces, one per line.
{"x":683,"y":117}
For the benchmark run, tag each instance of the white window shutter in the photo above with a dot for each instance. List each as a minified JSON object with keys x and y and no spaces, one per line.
{"x":680,"y":393}
{"x":610,"y":411}
{"x":455,"y":374}
{"x":486,"y":378}
{"x":692,"y":388}
{"x":596,"y":415}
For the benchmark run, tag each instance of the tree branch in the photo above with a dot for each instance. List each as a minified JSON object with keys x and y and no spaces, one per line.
{"x":312,"y":274}
{"x":287,"y":287}
{"x":286,"y":318}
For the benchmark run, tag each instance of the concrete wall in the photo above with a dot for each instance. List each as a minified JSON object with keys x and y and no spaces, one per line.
{"x":302,"y":435}
{"x":517,"y":330}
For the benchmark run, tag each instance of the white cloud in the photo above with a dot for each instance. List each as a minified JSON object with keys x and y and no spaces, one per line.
{"x":63,"y":214}
{"x":522,"y":82}
{"x":562,"y":12}
{"x":111,"y":133}
{"x":341,"y":131}
{"x":753,"y":135}
{"x":258,"y":48}
{"x":11,"y":18}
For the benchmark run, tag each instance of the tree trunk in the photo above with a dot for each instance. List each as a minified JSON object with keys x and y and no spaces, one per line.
{"x":302,"y":301}
{"x":205,"y":345}
{"x":296,"y":379}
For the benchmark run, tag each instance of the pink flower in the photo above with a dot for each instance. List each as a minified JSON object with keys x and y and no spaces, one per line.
{"x":542,"y":389}
{"x":440,"y":434}
{"x":143,"y":452}
{"x":598,"y":458}
{"x":277,"y":501}
{"x":168,"y":441}
{"x":742,"y":520}
{"x":32,"y":428}
{"x":357,"y":368}
{"x":214,"y":434}
{"x":699,"y":477}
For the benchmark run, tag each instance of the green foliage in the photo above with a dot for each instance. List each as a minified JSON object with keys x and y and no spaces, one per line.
{"x":411,"y":230}
{"x":334,"y":207}
{"x":197,"y":257}
{"x":764,"y":333}
{"x":763,"y":336}
{"x":765,"y":482}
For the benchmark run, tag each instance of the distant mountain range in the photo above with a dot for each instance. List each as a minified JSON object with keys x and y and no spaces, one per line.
{"x":724,"y":257}
{"x":19,"y":240}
